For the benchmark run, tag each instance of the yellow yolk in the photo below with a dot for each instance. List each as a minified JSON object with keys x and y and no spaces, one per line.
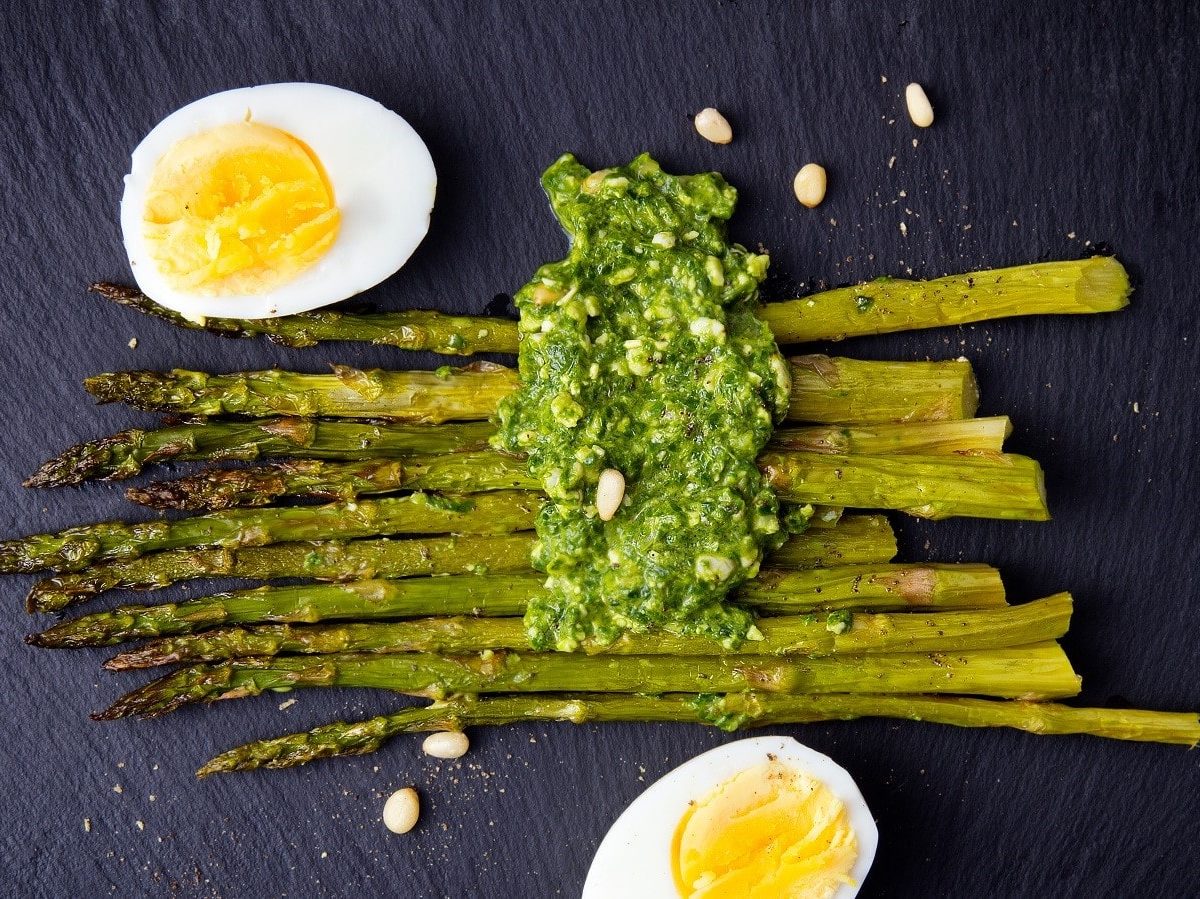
{"x":238,"y":209}
{"x":772,"y":832}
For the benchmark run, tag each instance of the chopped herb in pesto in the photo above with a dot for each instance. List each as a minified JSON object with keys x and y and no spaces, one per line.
{"x":727,"y":711}
{"x":641,"y":351}
{"x":839,"y":622}
{"x":797,"y":518}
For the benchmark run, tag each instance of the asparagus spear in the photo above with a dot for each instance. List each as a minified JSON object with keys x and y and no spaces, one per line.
{"x":124,"y":455}
{"x":985,"y":486}
{"x":472,"y":472}
{"x":459,"y":335}
{"x":880,"y":587}
{"x":857,"y":539}
{"x":1089,"y":285}
{"x":412,"y":396}
{"x":824,"y":390}
{"x":729,"y":712}
{"x":349,"y":560}
{"x":485,"y":513}
{"x":990,"y":485}
{"x":809,"y":635}
{"x":1041,"y":671}
{"x":834,"y":390}
{"x":972,"y":435}
{"x":494,"y":595}
{"x":483,"y":469}
{"x":1098,"y":284}
{"x":877,"y":587}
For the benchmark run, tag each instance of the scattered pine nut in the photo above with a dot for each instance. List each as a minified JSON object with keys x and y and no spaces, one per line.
{"x":713,"y":126}
{"x":401,"y":810}
{"x":810,"y":185}
{"x":919,"y":108}
{"x":446,"y":744}
{"x":610,"y":490}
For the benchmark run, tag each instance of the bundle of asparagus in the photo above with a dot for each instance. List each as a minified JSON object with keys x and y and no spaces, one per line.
{"x":842,"y":632}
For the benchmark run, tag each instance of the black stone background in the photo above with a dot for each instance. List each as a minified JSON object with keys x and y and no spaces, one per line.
{"x":1062,"y":129}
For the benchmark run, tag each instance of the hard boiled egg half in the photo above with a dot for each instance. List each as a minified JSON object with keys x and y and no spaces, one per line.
{"x":764,"y":818}
{"x":274,"y":199}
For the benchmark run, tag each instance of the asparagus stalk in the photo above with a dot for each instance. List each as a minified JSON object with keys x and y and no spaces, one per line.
{"x":985,"y":486}
{"x":972,"y":435}
{"x":729,"y":712}
{"x":936,"y":486}
{"x":880,"y":587}
{"x":349,"y":560}
{"x":834,"y":390}
{"x":412,"y":396}
{"x":875,"y":587}
{"x":71,"y":550}
{"x":471,"y":472}
{"x":1041,"y":671}
{"x":124,"y":455}
{"x":857,"y":539}
{"x":825,"y":390}
{"x":807,"y":635}
{"x":495,"y":595}
{"x":1098,"y":284}
{"x":457,"y":335}
{"x":1089,"y":285}
{"x":484,"y":470}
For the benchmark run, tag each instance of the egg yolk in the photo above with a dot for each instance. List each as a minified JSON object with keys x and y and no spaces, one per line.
{"x":238,"y":209}
{"x":772,"y":832}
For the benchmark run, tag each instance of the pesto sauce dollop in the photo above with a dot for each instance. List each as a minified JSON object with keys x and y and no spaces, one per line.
{"x":640,"y":351}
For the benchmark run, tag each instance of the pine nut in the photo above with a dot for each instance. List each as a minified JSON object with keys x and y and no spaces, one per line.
{"x":401,"y":810}
{"x":810,"y":185}
{"x":610,"y":490}
{"x":713,"y":126}
{"x":919,"y":108}
{"x":446,"y":744}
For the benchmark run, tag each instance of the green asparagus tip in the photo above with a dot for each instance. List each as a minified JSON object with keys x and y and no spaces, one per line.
{"x":113,"y":387}
{"x":126,"y":296}
{"x":328,"y":741}
{"x":78,"y":463}
{"x":168,"y":693}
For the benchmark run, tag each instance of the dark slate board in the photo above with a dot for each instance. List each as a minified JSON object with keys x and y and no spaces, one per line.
{"x":1062,"y":128}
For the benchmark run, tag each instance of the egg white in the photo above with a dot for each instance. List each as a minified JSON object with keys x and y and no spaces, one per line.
{"x":383,"y":183}
{"x":634,"y":858}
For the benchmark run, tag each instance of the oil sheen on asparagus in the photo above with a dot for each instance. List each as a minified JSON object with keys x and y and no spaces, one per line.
{"x":641,"y":352}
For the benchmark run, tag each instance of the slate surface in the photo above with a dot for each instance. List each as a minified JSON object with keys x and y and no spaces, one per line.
{"x":1061,"y":128}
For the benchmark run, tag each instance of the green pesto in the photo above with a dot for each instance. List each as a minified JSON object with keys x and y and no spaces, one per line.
{"x":796,"y":518}
{"x":640,"y":351}
{"x":838,"y":622}
{"x":727,"y":711}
